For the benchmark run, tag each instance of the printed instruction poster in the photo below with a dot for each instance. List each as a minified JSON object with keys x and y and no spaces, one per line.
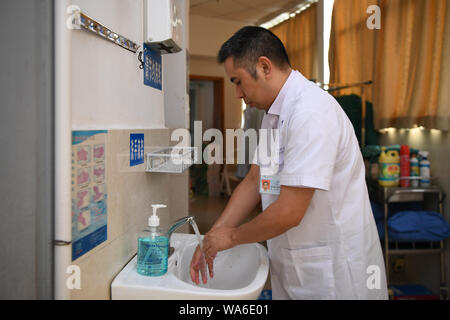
{"x":89,"y":196}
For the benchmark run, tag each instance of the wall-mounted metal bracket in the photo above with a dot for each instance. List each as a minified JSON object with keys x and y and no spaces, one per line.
{"x":90,"y":24}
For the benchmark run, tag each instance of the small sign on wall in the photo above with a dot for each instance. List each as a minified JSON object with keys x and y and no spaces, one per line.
{"x":136,"y":149}
{"x":152,"y":68}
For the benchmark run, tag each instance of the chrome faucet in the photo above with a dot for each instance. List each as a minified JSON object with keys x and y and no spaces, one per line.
{"x":176,"y":225}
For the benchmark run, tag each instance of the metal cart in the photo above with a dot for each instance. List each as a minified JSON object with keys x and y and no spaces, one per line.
{"x":387,"y":195}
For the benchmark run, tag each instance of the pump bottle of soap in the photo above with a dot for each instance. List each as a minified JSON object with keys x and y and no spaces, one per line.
{"x":153,"y":247}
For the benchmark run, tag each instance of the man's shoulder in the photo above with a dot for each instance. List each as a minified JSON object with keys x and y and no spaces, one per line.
{"x":311,"y":99}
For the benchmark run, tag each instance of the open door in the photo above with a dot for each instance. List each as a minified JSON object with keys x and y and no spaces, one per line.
{"x":206,"y":96}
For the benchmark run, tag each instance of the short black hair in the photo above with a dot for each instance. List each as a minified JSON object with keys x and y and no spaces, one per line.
{"x":250,"y":43}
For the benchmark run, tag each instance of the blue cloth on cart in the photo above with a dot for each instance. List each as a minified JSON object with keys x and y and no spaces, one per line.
{"x":410,"y":290}
{"x":410,"y":226}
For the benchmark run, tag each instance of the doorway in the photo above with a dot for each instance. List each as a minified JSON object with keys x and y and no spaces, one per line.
{"x":206,"y":102}
{"x":205,"y":91}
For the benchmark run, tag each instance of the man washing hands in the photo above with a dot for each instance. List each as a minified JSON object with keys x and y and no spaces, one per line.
{"x":317,"y":219}
{"x":214,"y":245}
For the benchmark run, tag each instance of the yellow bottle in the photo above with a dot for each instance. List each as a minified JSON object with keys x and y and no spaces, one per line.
{"x":389,"y":168}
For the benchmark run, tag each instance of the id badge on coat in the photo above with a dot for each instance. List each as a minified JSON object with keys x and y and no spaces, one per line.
{"x":269,"y":181}
{"x":269,"y":184}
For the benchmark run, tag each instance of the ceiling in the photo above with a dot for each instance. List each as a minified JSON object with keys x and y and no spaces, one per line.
{"x":247,"y":11}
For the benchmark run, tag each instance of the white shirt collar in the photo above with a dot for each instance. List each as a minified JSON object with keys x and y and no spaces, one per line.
{"x":275,"y":108}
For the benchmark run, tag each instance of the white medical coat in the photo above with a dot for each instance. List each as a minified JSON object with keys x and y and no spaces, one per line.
{"x":335,"y":252}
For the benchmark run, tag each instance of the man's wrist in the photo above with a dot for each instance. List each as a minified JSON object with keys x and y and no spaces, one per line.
{"x":235,"y":236}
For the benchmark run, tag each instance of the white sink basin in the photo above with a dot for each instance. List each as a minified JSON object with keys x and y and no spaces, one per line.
{"x":239,"y":274}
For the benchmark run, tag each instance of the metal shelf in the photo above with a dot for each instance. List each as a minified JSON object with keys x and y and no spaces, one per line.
{"x":399,"y":194}
{"x":414,"y":251}
{"x":387,"y":195}
{"x":416,"y":247}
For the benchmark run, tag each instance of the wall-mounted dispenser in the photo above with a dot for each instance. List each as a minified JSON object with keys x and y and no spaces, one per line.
{"x":163,"y":25}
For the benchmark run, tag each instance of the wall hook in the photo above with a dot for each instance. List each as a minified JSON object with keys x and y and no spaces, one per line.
{"x":140,"y":60}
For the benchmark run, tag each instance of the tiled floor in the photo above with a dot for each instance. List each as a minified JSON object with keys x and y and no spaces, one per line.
{"x":206,"y":210}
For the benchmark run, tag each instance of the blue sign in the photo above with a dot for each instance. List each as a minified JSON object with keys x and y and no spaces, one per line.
{"x":136,"y":149}
{"x":152,"y":68}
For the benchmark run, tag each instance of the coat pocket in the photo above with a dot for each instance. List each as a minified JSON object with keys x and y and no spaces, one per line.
{"x":308,"y":273}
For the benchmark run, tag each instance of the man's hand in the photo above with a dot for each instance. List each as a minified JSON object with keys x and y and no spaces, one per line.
{"x":216,"y":240}
{"x":243,"y":200}
{"x":198,"y":265}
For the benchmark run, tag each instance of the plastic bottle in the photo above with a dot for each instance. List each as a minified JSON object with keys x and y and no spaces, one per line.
{"x":414,"y":170}
{"x":153,"y":247}
{"x":424,"y":166}
{"x":404,"y":166}
{"x":389,"y":168}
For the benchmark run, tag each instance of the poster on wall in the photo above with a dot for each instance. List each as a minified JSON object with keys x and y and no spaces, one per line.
{"x":89,"y":194}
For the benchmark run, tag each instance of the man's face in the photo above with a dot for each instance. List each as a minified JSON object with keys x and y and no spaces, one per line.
{"x":252,"y":90}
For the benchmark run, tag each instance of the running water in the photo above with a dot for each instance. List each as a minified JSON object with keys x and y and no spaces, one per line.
{"x":197,"y":233}
{"x":200,"y":243}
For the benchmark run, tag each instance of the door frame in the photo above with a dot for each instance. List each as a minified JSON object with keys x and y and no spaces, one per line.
{"x":219,"y":99}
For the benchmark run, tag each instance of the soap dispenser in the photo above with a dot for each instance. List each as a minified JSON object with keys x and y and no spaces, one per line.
{"x":153,"y":247}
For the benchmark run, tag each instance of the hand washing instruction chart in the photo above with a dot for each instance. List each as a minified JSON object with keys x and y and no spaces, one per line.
{"x":89,"y":210}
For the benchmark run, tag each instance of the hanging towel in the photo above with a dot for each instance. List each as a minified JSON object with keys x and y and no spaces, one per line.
{"x":352,"y":105}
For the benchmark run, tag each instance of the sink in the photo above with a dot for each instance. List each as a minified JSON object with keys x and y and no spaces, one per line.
{"x":240,"y":273}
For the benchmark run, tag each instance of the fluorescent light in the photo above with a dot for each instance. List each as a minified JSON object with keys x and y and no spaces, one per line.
{"x":288,"y":15}
{"x":388,"y":130}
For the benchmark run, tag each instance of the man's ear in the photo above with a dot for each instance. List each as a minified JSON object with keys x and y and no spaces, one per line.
{"x":266,"y":66}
